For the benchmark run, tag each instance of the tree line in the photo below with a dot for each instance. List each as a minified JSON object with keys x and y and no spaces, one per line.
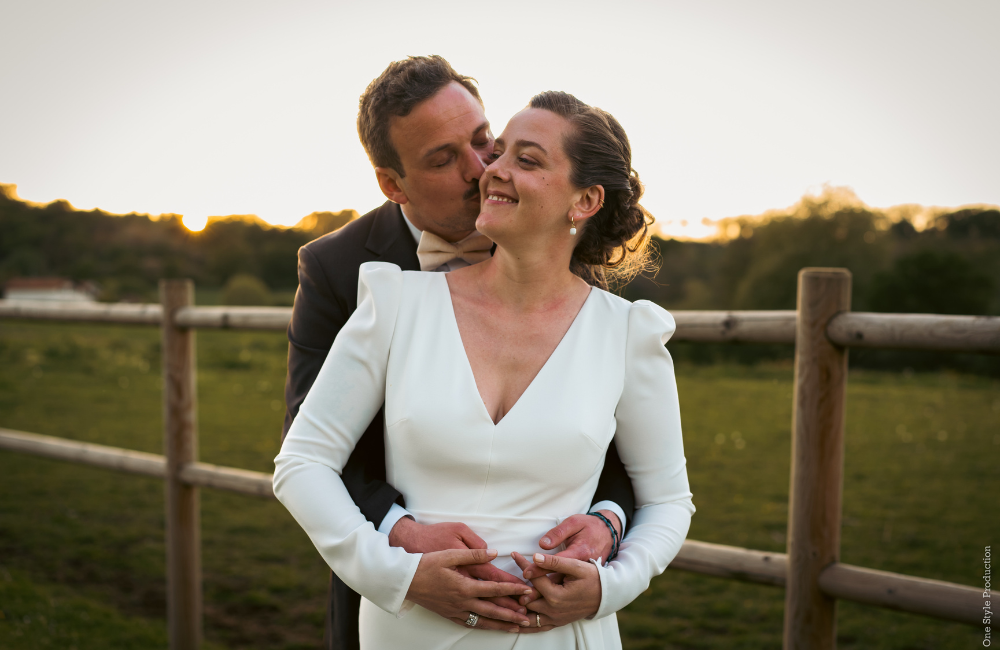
{"x":128,"y":254}
{"x":951,"y":265}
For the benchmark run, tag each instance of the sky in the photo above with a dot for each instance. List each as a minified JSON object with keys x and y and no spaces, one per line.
{"x":213,"y":108}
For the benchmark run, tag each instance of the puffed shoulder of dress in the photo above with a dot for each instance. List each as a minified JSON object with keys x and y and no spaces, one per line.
{"x":649,"y":322}
{"x":323,"y":435}
{"x":651,"y":446}
{"x":382,"y":278}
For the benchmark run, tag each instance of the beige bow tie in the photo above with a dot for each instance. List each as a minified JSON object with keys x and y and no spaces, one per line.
{"x":432,"y":251}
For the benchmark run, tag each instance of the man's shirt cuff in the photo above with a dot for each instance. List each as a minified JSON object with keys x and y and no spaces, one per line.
{"x":600,"y":505}
{"x":397,"y":512}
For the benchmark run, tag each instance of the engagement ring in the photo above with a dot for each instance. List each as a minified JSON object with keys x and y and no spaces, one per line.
{"x":472,"y":620}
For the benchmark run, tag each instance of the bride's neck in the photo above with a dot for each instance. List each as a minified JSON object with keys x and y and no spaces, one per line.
{"x":525,"y":281}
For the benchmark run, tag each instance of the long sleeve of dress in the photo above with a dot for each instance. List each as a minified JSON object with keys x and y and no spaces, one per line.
{"x":652,"y":449}
{"x":348,"y":392}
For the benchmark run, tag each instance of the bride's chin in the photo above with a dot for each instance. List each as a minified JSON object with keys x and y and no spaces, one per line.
{"x":486,"y":224}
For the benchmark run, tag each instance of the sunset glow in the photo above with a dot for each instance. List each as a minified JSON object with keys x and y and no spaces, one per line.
{"x":194,"y":223}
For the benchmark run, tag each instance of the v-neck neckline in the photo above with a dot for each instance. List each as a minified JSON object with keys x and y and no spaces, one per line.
{"x":468,"y":364}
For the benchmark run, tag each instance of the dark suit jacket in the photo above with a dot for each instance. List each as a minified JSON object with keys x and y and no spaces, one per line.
{"x":326,"y":298}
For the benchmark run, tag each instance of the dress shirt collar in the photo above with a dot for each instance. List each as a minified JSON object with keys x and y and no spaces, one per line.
{"x":416,"y":232}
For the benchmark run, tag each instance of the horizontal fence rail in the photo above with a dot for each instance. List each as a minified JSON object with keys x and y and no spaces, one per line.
{"x":895,"y":591}
{"x":977,"y":334}
{"x":248,"y":318}
{"x":84,"y":453}
{"x":82,"y":312}
{"x":242,"y":481}
{"x":944,"y":600}
{"x":732,"y":562}
{"x":735,"y":326}
{"x":232,"y":479}
{"x":916,"y":332}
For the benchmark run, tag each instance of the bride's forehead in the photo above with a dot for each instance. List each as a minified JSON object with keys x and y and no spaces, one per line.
{"x":537,"y":125}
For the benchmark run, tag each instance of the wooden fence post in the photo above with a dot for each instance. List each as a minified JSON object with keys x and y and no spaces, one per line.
{"x":180,"y":422}
{"x":814,"y":506}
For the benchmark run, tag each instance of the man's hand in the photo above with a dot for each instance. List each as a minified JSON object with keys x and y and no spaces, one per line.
{"x":586,"y":538}
{"x":428,"y":538}
{"x":576,"y":596}
{"x":412,"y":537}
{"x":441,"y":588}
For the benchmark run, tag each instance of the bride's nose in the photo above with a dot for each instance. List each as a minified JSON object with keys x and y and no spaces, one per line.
{"x":497,"y":169}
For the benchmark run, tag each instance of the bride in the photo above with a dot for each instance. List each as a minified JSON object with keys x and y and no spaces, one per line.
{"x":489,"y":374}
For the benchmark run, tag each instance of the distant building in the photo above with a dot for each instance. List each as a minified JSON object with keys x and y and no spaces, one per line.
{"x":51,"y":289}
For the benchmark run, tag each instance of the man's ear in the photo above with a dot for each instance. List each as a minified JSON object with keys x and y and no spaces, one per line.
{"x":388,"y":181}
{"x":589,"y":201}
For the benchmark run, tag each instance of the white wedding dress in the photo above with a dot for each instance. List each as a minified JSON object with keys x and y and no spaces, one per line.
{"x":511,"y":481}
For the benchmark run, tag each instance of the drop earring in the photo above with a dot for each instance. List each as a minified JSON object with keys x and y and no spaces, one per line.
{"x":572,"y":226}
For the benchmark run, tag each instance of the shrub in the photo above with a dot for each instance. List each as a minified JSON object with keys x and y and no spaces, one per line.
{"x":244,"y":289}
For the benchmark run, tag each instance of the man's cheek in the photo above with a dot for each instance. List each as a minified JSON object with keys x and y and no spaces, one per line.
{"x":446,"y":189}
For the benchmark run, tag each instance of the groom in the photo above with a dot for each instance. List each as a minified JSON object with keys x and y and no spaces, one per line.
{"x":425,"y":131}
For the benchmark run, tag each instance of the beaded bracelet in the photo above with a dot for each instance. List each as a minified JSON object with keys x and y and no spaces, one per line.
{"x":614,"y":535}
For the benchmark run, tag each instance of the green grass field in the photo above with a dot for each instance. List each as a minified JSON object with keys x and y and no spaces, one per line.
{"x":82,"y":555}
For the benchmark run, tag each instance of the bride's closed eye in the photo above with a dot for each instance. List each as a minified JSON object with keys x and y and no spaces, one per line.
{"x":524,"y":160}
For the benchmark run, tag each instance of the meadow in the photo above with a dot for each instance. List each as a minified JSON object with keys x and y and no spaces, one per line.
{"x":82,"y":554}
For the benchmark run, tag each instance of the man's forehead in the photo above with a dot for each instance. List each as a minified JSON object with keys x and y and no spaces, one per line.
{"x":451,"y":115}
{"x":446,"y":138}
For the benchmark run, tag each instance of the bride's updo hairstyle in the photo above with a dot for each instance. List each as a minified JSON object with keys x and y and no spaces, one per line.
{"x":613,"y":244}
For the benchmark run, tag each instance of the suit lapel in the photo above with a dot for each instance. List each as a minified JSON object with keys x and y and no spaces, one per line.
{"x":390,"y":238}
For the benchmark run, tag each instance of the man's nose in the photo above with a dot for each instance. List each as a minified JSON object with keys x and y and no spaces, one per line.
{"x":474,"y":165}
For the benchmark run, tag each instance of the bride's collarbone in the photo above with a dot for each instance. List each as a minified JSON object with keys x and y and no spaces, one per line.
{"x":506,"y":353}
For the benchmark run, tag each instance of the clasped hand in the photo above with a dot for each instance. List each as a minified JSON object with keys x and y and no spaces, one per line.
{"x":455,"y":578}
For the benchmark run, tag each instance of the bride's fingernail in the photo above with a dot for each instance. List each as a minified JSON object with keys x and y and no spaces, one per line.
{"x":539,"y":558}
{"x":492,"y":552}
{"x":546,"y":541}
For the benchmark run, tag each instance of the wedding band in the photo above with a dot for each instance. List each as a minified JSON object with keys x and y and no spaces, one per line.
{"x":472,"y":620}
{"x":538,"y":619}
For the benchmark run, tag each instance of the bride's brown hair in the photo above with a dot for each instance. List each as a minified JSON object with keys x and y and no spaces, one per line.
{"x":613,"y":244}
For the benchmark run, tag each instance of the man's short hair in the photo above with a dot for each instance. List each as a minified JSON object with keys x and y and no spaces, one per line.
{"x":395,"y":93}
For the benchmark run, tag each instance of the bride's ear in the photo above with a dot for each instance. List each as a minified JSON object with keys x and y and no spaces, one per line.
{"x":589,"y":201}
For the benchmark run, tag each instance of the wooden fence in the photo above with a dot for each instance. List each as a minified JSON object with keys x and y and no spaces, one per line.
{"x":822,"y":329}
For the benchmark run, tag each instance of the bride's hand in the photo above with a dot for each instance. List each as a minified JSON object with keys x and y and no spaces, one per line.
{"x":439,"y":587}
{"x":576,"y":598}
